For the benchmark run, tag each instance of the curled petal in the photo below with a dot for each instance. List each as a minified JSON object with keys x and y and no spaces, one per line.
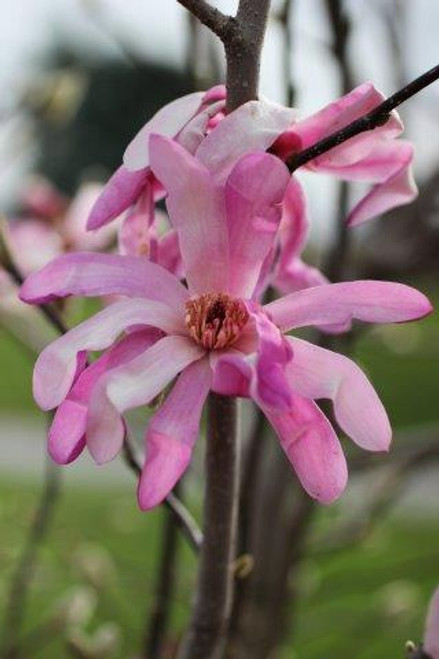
{"x":91,"y":275}
{"x":168,"y":121}
{"x":318,"y":373}
{"x":252,"y":127}
{"x":369,"y":301}
{"x":121,"y":191}
{"x":396,"y":189}
{"x":312,"y":447}
{"x":172,"y":433}
{"x":431,"y":636}
{"x":56,"y":366}
{"x":273,"y":355}
{"x":254,"y":192}
{"x":132,"y":385}
{"x":67,"y":431}
{"x":291,"y":274}
{"x":197,"y":212}
{"x":339,"y":114}
{"x":233,"y":374}
{"x":195,"y":131}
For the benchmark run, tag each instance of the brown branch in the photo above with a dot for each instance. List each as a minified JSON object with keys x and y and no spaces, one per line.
{"x":21,"y":579}
{"x":376,"y":117}
{"x":341,"y":28}
{"x":211,"y":17}
{"x":213,"y":599}
{"x":181,"y":515}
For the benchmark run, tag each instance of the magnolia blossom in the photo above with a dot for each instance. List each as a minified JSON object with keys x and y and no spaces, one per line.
{"x":198,"y":123}
{"x":431,"y":636}
{"x":211,"y":335}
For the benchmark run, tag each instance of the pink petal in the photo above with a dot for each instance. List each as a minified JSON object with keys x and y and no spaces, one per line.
{"x":168,"y":121}
{"x":273,"y":355}
{"x":73,"y":227}
{"x":254,"y":192}
{"x":56,"y":366}
{"x":291,"y":274}
{"x":396,"y":189}
{"x":172,"y":433}
{"x":312,"y":447}
{"x":33,"y":243}
{"x":318,"y":373}
{"x":196,"y":209}
{"x":252,"y":127}
{"x":191,"y":136}
{"x":121,"y":191}
{"x":233,"y":374}
{"x":88,"y":274}
{"x":168,"y":254}
{"x":369,"y":301}
{"x":135,"y":231}
{"x":67,"y":432}
{"x":340,"y":113}
{"x":133,"y":385}
{"x":431,"y":636}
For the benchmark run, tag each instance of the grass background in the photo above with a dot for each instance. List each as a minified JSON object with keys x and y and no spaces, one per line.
{"x":362,"y":602}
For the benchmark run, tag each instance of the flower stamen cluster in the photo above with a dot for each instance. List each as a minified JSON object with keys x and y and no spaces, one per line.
{"x":215,"y":320}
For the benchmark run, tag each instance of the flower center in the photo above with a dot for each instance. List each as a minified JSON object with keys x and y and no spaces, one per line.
{"x":215,"y":320}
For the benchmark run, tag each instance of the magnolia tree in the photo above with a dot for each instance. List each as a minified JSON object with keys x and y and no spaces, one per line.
{"x":201,"y":307}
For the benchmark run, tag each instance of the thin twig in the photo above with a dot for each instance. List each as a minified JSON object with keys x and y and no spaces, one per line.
{"x":21,"y":580}
{"x":158,"y":621}
{"x":182,"y":517}
{"x":211,"y":17}
{"x":376,"y":117}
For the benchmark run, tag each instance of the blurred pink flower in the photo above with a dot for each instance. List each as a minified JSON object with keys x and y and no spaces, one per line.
{"x":431,"y":636}
{"x":213,"y":335}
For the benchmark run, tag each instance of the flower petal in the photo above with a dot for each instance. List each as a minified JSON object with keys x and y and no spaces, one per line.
{"x":67,"y":431}
{"x":340,"y":113}
{"x":56,"y":366}
{"x":431,"y":636}
{"x":291,"y":274}
{"x":253,"y":126}
{"x":132,"y":385}
{"x":369,"y":301}
{"x":88,"y":274}
{"x":233,"y":374}
{"x":273,"y":355}
{"x":396,"y":189}
{"x":197,"y":212}
{"x":318,"y":373}
{"x":195,"y":131}
{"x":168,"y":121}
{"x":121,"y":191}
{"x":312,"y":447}
{"x":172,"y":433}
{"x":254,"y":192}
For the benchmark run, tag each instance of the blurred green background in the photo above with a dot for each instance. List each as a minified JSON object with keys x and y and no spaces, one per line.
{"x":75,"y":102}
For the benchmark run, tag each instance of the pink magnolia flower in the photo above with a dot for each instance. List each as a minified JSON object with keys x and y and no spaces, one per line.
{"x":210,"y":335}
{"x":431,"y":636}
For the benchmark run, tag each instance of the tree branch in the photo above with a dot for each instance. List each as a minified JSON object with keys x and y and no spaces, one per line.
{"x":211,"y":17}
{"x":208,"y":628}
{"x":376,"y":117}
